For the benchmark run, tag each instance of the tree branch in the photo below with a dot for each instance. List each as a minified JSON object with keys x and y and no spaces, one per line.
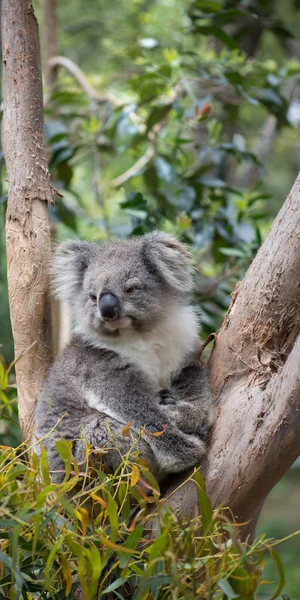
{"x":254,"y":371}
{"x":69,"y":65}
{"x":134,"y":170}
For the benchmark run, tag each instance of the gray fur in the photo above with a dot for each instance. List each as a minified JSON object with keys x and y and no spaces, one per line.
{"x":142,"y":367}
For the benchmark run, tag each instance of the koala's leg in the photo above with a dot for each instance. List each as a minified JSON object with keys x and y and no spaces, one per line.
{"x":55,"y":425}
{"x":171,"y":452}
{"x":192,"y":407}
{"x":105,"y":433}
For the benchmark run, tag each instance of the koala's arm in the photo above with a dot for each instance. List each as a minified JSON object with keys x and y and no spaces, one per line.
{"x":191,"y":402}
{"x":66,"y":416}
{"x":133,"y":398}
{"x":120,"y":394}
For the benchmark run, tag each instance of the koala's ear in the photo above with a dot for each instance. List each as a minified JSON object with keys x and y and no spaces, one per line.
{"x":69,"y":262}
{"x":170,"y":259}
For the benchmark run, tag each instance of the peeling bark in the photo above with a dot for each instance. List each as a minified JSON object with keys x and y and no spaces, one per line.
{"x":254,"y":370}
{"x":27,"y":227}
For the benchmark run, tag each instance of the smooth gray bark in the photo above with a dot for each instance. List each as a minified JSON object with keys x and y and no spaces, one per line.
{"x":254,"y":370}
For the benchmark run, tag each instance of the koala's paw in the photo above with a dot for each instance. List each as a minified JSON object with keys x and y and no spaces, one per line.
{"x":166,"y":397}
{"x":188,"y":418}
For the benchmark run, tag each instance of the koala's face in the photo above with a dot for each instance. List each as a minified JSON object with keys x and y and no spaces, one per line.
{"x":118,"y":290}
{"x":122,"y":285}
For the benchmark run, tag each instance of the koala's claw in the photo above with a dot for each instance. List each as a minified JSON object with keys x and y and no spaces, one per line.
{"x":166,"y":397}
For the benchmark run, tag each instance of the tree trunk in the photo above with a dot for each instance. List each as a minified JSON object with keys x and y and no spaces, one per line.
{"x":27,"y":227}
{"x":254,"y":370}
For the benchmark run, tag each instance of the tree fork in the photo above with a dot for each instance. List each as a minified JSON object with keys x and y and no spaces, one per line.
{"x":27,"y":226}
{"x":254,"y":371}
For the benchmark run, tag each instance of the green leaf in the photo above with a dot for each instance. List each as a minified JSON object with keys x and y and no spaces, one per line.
{"x":55,"y":130}
{"x":204,"y":502}
{"x":66,"y":215}
{"x":64,"y":450}
{"x":134,"y":537}
{"x":135,"y":201}
{"x":269,"y":96}
{"x":241,"y":583}
{"x":225,"y":586}
{"x":232,"y":252}
{"x":218,"y":33}
{"x":278,"y":562}
{"x":131,"y":543}
{"x":234,"y":77}
{"x":45,"y":467}
{"x":113,"y":518}
{"x":15,"y":571}
{"x":212,"y":182}
{"x":155,"y":549}
{"x":207,"y":5}
{"x":3,"y":377}
{"x":157,"y":114}
{"x":114,"y":586}
{"x":94,"y":557}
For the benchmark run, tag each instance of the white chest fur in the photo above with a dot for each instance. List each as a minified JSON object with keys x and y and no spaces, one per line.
{"x":161,"y":351}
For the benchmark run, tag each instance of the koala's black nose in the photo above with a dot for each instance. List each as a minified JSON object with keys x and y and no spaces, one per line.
{"x":109,"y":306}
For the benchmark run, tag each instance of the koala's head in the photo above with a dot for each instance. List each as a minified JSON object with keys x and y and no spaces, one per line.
{"x":122,"y":285}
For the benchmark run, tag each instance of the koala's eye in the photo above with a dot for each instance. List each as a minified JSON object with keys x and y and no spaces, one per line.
{"x":132,"y":285}
{"x":130,"y":290}
{"x":92,"y":297}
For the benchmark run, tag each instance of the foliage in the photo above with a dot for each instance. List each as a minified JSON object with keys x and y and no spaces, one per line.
{"x":168,"y":150}
{"x":93,"y":532}
{"x":9,"y":427}
{"x":50,"y":545}
{"x":169,"y":138}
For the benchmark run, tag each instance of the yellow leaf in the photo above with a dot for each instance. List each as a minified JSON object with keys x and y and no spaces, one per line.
{"x":99,"y":499}
{"x":126,"y":429}
{"x":83,"y":516}
{"x":143,"y":462}
{"x":156,"y":434}
{"x":110,"y":544}
{"x":135,"y":475}
{"x":66,"y":571}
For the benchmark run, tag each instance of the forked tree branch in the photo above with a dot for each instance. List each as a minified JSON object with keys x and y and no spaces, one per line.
{"x":78,"y":74}
{"x":255,"y":374}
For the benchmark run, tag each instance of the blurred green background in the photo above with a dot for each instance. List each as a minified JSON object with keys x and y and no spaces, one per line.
{"x":181,"y":115}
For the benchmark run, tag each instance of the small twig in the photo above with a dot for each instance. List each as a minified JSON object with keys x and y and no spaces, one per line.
{"x":20,"y":356}
{"x":138,"y":166}
{"x":144,"y":160}
{"x":210,"y":337}
{"x":56,"y":191}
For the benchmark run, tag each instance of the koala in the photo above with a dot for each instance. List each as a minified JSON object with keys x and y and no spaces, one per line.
{"x":133,"y":357}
